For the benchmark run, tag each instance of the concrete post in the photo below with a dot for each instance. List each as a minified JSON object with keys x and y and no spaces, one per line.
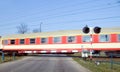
{"x":13,"y":55}
{"x":2,"y":56}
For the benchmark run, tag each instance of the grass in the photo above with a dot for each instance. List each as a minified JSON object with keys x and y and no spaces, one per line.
{"x":9,"y":58}
{"x":103,"y":67}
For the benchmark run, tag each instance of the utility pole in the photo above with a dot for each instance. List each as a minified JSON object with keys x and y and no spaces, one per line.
{"x":40,"y":30}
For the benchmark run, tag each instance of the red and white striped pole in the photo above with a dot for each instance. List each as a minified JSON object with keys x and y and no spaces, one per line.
{"x":91,"y":40}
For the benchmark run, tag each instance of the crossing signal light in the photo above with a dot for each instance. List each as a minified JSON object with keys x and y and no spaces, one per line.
{"x":86,"y":29}
{"x":97,"y":30}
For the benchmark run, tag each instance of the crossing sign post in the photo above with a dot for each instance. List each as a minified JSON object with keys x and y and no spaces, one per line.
{"x":90,"y":30}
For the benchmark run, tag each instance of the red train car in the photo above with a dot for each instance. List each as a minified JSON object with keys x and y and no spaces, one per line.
{"x":67,"y":41}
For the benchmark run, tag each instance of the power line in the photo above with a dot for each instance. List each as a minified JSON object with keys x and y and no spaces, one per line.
{"x":86,"y":2}
{"x":78,"y":13}
{"x":75,"y":13}
{"x":85,"y":20}
{"x":52,"y":16}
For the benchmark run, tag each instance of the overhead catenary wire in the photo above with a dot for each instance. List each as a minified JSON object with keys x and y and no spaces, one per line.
{"x":68,"y":13}
{"x":85,"y":20}
{"x":78,"y":13}
{"x":47,"y":11}
{"x":75,"y":13}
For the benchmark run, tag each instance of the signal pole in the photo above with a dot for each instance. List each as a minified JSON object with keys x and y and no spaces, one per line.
{"x":40,"y":30}
{"x":90,"y":30}
{"x":91,"y":40}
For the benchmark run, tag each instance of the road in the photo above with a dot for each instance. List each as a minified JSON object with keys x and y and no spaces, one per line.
{"x":43,"y":63}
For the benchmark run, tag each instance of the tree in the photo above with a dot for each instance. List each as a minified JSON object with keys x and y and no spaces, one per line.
{"x":22,"y":28}
{"x":35,"y":30}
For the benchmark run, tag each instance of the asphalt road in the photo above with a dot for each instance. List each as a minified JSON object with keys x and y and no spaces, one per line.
{"x":43,"y":63}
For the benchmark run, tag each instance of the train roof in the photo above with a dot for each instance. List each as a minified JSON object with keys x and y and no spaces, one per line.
{"x":60,"y":33}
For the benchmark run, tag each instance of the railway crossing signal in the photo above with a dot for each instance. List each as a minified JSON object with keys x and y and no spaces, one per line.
{"x":96,"y":29}
{"x":87,"y":30}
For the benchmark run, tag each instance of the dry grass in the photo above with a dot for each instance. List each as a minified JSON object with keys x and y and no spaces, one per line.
{"x":103,"y":67}
{"x":9,"y":58}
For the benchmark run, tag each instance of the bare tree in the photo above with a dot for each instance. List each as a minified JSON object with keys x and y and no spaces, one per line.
{"x":22,"y":28}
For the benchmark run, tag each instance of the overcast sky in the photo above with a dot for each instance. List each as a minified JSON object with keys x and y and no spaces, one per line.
{"x":58,"y":14}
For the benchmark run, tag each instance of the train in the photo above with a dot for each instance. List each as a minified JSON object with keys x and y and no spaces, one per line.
{"x":63,"y":41}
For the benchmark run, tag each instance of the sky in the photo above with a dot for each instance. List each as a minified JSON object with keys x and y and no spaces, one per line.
{"x":55,"y":15}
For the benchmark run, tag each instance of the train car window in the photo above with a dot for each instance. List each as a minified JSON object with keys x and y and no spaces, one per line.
{"x":43,"y":40}
{"x":32,"y":41}
{"x":104,"y":38}
{"x":119,"y":37}
{"x":71,"y":39}
{"x":5,"y":42}
{"x":57,"y":39}
{"x":86,"y":38}
{"x":12,"y":41}
{"x":22,"y":41}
